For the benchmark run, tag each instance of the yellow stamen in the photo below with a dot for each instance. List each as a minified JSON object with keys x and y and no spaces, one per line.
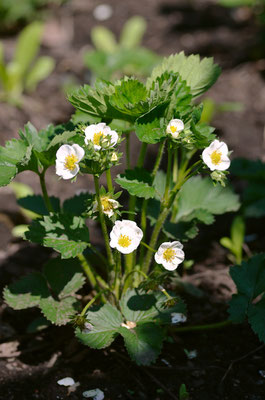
{"x":107,"y":205}
{"x":169,"y":254}
{"x":173,"y":129}
{"x":124,"y":241}
{"x":216,"y":157}
{"x":97,"y":138}
{"x":70,"y":162}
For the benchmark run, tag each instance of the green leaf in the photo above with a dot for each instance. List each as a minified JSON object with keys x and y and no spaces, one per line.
{"x":203,"y":134}
{"x":252,"y":170}
{"x":130,"y":97}
{"x":141,"y":307}
{"x":200,"y":75}
{"x":65,"y":277}
{"x":42,"y":68}
{"x":78,"y":204}
{"x":238,"y":307}
{"x":199,"y":198}
{"x":28,"y":45}
{"x":61,"y":138}
{"x":26,"y":292}
{"x":10,"y":156}
{"x":137,"y":182}
{"x":249,"y":277}
{"x":103,"y":39}
{"x":143,"y":343}
{"x":58,"y":312}
{"x":256,"y":317}
{"x":36,"y":204}
{"x":105,"y":322}
{"x":151,"y":132}
{"x":132,"y":32}
{"x":64,"y":233}
{"x":39,"y":140}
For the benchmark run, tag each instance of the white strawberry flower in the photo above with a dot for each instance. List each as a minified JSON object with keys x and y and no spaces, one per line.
{"x":67,"y":159}
{"x":108,"y":205}
{"x":216,"y":156}
{"x":170,"y":255}
{"x":125,"y":236}
{"x":174,"y":127}
{"x":96,"y":133}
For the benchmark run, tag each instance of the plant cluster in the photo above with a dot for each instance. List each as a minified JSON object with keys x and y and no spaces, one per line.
{"x":132,"y":290}
{"x":112,"y":60}
{"x":26,"y":70}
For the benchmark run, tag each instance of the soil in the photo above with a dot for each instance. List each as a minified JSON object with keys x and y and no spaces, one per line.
{"x":229,"y":364}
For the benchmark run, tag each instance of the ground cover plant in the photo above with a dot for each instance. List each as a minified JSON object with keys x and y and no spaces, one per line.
{"x":144,"y":242}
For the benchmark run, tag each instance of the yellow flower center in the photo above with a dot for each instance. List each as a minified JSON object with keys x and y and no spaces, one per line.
{"x":124,"y":241}
{"x":70,"y":162}
{"x":169,"y":255}
{"x":216,"y":157}
{"x":106,"y":204}
{"x":173,"y":129}
{"x":97,"y":138}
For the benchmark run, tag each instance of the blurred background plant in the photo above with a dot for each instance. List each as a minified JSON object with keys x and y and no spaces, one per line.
{"x":19,"y":12}
{"x":26,"y":70}
{"x":111,"y":59}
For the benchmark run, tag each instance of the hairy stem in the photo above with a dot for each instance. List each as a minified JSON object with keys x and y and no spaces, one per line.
{"x":103,"y":223}
{"x":46,"y":198}
{"x":87,"y":270}
{"x":109,"y":180}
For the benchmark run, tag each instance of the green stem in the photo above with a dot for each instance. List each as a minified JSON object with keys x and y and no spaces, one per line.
{"x":87,"y":270}
{"x":169,"y":172}
{"x":117,"y":271}
{"x":175,"y":166}
{"x":145,"y":202}
{"x":109,"y":180}
{"x":127,"y":149}
{"x":134,"y":271}
{"x":216,"y":325}
{"x":148,"y":247}
{"x":103,"y":223}
{"x":46,"y":198}
{"x":89,"y":304}
{"x":160,"y":221}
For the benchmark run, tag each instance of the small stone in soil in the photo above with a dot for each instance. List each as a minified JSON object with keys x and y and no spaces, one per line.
{"x":66,"y":381}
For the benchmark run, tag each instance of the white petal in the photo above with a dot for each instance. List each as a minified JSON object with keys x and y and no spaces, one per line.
{"x":64,"y":172}
{"x":224,"y":164}
{"x":79,"y":151}
{"x":63,"y":151}
{"x":95,"y":394}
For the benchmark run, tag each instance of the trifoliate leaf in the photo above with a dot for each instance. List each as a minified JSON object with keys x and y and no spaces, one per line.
{"x":143,"y":343}
{"x":65,"y":277}
{"x":137,"y":182}
{"x":10,"y":156}
{"x":105,"y":322}
{"x":199,"y":194}
{"x":36,"y":204}
{"x":64,"y":233}
{"x":26,"y":292}
{"x":59,"y":312}
{"x":200,"y":75}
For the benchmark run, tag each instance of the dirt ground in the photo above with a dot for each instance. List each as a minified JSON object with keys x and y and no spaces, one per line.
{"x":230,"y":362}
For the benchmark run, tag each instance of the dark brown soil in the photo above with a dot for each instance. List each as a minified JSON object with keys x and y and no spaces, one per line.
{"x":229,"y":360}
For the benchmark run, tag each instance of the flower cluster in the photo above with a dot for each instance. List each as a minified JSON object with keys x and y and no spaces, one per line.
{"x":68,"y":157}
